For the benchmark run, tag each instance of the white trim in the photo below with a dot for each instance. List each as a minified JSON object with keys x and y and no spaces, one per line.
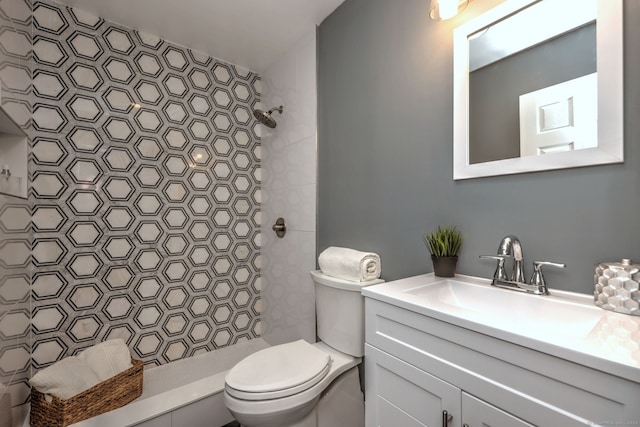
{"x":610,"y":98}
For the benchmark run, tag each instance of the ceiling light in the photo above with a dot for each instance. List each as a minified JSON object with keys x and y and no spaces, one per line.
{"x":446,"y":9}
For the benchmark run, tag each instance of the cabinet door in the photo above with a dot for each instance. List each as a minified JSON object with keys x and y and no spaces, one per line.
{"x":477,"y":413}
{"x":398,"y":394}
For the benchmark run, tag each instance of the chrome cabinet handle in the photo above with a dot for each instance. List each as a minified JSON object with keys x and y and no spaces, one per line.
{"x":446,"y":417}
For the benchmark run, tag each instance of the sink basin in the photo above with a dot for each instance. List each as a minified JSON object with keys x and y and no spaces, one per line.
{"x":565,"y":324}
{"x":508,"y":309}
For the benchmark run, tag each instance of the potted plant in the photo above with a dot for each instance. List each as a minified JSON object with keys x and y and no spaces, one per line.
{"x":444,"y":244}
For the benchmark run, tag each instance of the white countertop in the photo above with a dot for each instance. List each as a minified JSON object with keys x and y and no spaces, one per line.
{"x":564,"y":324}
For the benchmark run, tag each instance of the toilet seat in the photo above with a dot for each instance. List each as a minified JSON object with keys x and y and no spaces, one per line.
{"x":279,"y":371}
{"x":277,"y":412}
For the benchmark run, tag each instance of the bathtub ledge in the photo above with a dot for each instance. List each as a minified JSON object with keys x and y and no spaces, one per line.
{"x":178,"y":384}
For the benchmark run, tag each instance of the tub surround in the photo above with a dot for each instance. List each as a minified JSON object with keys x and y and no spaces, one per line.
{"x":143,"y":218}
{"x":145,"y":174}
{"x":289,"y":165}
{"x":15,"y":227}
{"x":15,"y":339}
{"x":182,"y":383}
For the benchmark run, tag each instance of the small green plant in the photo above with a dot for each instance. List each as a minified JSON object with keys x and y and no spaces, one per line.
{"x":444,"y":242}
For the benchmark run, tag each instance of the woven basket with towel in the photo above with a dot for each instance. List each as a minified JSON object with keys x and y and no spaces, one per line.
{"x":97,"y":380}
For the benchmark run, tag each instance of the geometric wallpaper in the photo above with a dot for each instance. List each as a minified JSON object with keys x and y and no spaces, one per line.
{"x":145,"y":192}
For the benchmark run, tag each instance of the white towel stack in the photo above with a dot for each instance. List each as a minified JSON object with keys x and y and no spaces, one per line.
{"x":75,"y":374}
{"x":350,"y":264}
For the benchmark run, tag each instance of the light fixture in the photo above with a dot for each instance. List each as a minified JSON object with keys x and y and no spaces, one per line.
{"x":446,"y":9}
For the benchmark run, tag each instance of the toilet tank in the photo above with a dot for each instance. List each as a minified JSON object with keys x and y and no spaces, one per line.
{"x":340,"y":312}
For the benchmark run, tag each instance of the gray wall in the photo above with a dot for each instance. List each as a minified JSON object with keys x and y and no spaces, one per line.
{"x":385,"y":156}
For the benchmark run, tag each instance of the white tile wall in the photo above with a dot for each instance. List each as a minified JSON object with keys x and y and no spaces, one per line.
{"x":289,"y":190}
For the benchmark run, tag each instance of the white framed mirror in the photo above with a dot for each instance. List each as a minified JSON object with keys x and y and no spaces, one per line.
{"x":538,"y":85}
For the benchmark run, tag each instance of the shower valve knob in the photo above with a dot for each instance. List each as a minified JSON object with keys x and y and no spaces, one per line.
{"x":280,"y":227}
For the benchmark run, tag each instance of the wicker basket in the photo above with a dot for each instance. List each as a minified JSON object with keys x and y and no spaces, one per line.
{"x":106,"y":396}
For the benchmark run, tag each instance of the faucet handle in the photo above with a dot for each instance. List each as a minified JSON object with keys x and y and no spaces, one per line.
{"x":500,"y":273}
{"x":537,"y":279}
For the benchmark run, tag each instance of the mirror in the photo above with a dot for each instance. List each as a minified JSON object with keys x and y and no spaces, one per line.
{"x":538,"y":86}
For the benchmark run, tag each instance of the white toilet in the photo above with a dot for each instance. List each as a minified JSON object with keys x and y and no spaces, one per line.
{"x":307,"y":385}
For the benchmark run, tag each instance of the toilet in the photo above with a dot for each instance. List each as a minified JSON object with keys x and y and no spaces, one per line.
{"x":299,"y":384}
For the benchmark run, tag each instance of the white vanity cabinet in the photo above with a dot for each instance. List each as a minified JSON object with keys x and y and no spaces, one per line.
{"x":476,"y":412}
{"x":399,"y":394}
{"x":403,"y":395}
{"x":418,"y":366}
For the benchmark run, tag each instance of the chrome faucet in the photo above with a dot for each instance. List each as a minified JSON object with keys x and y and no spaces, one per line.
{"x":510,"y":247}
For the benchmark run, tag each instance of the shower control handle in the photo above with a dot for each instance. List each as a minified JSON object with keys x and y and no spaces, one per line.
{"x":280,"y":227}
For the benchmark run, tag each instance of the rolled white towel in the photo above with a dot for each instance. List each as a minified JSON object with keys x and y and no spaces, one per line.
{"x":350,"y":264}
{"x":108,"y":358}
{"x":65,"y":379}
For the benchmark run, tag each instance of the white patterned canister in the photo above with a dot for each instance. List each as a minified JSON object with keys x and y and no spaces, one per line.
{"x":617,"y":287}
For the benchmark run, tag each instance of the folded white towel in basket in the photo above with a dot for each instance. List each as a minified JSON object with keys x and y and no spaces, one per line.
{"x":108,"y":358}
{"x":350,"y":264}
{"x":75,"y":374}
{"x":65,"y":379}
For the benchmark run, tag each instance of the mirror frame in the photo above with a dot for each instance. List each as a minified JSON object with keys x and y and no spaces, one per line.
{"x":609,"y":48}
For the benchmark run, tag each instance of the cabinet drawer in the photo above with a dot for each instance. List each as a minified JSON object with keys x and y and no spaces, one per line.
{"x":399,"y":394}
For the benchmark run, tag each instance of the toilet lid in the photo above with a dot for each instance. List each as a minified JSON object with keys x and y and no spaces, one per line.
{"x":274,"y":371}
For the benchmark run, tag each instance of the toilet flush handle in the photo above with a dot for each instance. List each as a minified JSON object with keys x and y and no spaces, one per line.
{"x":280,"y":227}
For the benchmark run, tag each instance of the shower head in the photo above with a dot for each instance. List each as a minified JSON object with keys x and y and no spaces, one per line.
{"x":265,"y":117}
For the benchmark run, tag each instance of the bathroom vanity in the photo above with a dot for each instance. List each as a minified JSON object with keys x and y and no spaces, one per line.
{"x":459,"y":352}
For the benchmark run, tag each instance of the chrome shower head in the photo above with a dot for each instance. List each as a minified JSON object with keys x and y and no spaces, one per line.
{"x":265,"y":117}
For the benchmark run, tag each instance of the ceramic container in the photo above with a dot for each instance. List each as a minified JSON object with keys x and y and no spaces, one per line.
{"x":617,"y":287}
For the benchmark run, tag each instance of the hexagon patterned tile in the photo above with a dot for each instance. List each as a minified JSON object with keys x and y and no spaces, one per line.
{"x":143,"y":197}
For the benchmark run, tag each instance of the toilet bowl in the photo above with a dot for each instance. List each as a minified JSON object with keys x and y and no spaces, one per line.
{"x":299,"y":384}
{"x":277,"y":403}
